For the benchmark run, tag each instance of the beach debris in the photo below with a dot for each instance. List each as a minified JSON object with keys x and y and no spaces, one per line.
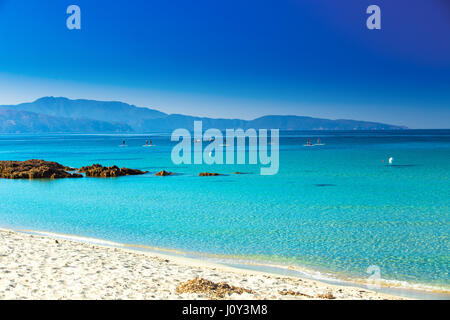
{"x":209,"y":174}
{"x":164,"y":173}
{"x":97,"y":170}
{"x":35,"y":169}
{"x":286,"y":292}
{"x":327,"y":295}
{"x":212,"y":289}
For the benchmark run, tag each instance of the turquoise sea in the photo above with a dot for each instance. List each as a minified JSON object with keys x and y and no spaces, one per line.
{"x":335,"y":209}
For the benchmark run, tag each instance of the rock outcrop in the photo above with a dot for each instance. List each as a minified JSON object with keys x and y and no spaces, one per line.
{"x":209,"y":174}
{"x":35,"y":169}
{"x":164,"y":173}
{"x":97,"y":170}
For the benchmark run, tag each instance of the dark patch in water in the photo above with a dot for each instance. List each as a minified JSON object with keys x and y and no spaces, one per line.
{"x":404,"y":165}
{"x":325,"y":185}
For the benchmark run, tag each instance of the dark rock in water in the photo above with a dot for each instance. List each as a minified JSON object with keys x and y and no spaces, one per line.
{"x":209,"y":174}
{"x":97,"y":170}
{"x":164,"y":173}
{"x":40,"y":169}
{"x":35,"y":169}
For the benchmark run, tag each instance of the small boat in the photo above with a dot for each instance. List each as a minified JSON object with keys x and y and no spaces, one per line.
{"x":318,"y":143}
{"x":147,"y":144}
{"x":308,"y":144}
{"x":123,"y":144}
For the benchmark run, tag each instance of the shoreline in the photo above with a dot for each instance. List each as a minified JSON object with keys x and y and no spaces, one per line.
{"x":50,"y":256}
{"x":397,"y":288}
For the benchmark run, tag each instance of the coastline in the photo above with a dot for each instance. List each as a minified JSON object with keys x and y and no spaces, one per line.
{"x":46,"y":267}
{"x":396,"y":288}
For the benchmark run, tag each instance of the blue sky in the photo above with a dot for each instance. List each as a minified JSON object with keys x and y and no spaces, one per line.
{"x":235,"y":58}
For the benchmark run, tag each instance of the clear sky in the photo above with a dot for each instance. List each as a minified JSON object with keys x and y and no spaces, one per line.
{"x":235,"y":58}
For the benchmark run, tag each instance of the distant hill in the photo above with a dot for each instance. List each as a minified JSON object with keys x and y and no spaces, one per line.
{"x":175,"y":121}
{"x":109,"y":111}
{"x":52,"y":114}
{"x":15,"y":121}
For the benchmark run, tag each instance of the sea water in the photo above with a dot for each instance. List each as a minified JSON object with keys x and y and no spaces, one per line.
{"x":336,"y":209}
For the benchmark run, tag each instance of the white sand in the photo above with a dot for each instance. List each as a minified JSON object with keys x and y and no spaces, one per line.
{"x":36,"y":267}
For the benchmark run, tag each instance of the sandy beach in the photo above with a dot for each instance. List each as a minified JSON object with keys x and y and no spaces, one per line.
{"x":40,"y":267}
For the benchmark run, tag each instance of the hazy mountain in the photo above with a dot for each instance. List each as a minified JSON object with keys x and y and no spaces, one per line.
{"x":51,"y":114}
{"x":308,"y":123}
{"x":15,"y":121}
{"x":109,"y":111}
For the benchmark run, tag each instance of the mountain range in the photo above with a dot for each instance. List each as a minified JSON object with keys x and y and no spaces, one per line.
{"x":58,"y":114}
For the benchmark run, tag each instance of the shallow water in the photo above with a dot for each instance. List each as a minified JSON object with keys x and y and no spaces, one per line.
{"x":335,"y":208}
